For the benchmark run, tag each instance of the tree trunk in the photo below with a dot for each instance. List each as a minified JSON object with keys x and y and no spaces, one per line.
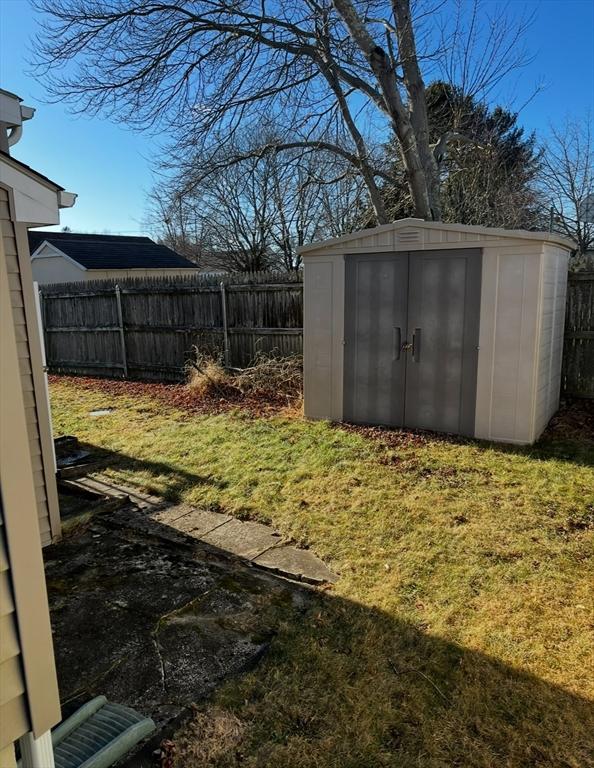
{"x":416,"y":159}
{"x":418,"y":105}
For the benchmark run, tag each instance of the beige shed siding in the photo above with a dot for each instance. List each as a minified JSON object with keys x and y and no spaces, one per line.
{"x":323,"y":329}
{"x":508,"y":333}
{"x":24,"y":353}
{"x":552,"y":320}
{"x":14,"y":721}
{"x":521,"y":328}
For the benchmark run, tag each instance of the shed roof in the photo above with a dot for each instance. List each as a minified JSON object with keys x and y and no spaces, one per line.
{"x":111,"y":251}
{"x":406,"y":231}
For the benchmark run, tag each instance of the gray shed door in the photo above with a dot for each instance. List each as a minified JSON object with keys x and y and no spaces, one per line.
{"x":376,"y":302}
{"x":411,"y":335}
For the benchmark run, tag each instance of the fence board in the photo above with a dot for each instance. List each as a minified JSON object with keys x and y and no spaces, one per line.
{"x":578,"y":351}
{"x":163,"y":319}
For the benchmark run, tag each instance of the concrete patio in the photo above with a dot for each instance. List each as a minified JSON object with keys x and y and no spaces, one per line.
{"x":154,"y":605}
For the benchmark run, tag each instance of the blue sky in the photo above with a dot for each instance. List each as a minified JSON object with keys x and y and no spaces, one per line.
{"x":109,"y":166}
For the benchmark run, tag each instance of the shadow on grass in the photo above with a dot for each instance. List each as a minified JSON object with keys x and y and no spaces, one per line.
{"x":175,"y":479}
{"x":353,"y":687}
{"x":343,"y":685}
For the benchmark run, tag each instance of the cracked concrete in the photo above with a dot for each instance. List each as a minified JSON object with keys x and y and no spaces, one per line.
{"x":154,"y":605}
{"x":156,"y":624}
{"x":258,"y":544}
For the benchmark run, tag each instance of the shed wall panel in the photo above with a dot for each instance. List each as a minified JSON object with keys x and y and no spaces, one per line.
{"x":317,"y":338}
{"x":323,"y":337}
{"x":550,"y":347}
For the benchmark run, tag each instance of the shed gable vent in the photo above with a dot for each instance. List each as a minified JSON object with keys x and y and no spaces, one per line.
{"x":408,"y":236}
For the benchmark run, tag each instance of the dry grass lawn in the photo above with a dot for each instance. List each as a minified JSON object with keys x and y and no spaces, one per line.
{"x":461,"y":631}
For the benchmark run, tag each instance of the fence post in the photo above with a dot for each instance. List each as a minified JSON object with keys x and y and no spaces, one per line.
{"x":118,"y":295}
{"x":225,"y":328}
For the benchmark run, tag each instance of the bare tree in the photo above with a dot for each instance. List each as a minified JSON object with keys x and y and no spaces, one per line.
{"x":329,"y":70}
{"x":256,"y":213}
{"x":568,"y":179}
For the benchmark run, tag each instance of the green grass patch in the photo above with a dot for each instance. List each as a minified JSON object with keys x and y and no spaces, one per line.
{"x":461,"y":630}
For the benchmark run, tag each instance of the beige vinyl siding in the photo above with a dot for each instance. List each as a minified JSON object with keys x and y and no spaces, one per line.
{"x":29,"y":700}
{"x":24,"y":354}
{"x":14,"y":721}
{"x":7,"y":758}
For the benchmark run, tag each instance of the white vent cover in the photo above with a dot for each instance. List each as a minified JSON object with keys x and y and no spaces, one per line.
{"x":408,"y":236}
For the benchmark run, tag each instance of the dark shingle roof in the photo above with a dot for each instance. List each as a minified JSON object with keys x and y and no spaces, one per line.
{"x":111,"y":251}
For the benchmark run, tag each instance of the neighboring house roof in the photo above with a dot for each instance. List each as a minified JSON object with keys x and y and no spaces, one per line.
{"x":110,"y":251}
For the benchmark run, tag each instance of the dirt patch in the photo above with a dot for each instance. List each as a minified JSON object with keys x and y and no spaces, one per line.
{"x":574,"y":421}
{"x":186,"y":398}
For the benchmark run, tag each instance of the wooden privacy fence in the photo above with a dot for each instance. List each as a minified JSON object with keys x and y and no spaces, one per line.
{"x":147,"y":328}
{"x":578,"y":352}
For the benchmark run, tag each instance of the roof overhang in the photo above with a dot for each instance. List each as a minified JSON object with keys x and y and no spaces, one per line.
{"x":473,"y":235}
{"x":37,"y":199}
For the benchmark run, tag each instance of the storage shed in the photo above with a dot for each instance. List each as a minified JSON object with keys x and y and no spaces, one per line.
{"x":436,"y":326}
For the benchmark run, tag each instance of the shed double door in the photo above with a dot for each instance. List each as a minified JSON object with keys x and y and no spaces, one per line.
{"x":411,"y":339}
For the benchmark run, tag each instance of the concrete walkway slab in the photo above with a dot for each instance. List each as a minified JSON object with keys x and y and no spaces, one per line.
{"x":195,"y":522}
{"x":247,"y":540}
{"x":296,"y":564}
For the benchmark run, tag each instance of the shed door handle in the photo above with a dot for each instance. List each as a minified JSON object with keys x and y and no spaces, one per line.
{"x":396,"y":336}
{"x":416,"y":345}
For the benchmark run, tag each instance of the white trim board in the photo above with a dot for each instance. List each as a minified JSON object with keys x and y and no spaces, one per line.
{"x":55,"y":252}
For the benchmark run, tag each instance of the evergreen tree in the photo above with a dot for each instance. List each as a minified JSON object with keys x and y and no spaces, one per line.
{"x":489,"y":173}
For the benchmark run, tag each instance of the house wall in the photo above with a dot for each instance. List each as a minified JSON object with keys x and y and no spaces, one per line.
{"x":510,"y":321}
{"x":14,"y":720}
{"x":22,"y":300}
{"x":55,"y":269}
{"x":29,"y":699}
